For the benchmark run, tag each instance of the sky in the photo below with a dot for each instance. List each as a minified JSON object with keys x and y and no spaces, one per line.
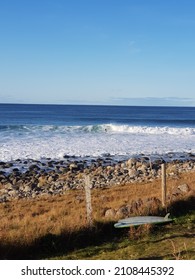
{"x":115,"y":52}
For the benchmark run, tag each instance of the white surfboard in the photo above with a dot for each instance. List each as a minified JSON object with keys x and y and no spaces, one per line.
{"x":142,"y":220}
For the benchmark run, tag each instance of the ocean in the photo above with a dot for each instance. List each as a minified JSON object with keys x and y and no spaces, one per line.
{"x":40,"y":132}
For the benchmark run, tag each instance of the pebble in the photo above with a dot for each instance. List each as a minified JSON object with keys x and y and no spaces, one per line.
{"x":56,"y":177}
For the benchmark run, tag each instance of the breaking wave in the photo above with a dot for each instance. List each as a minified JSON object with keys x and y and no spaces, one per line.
{"x":99,"y":128}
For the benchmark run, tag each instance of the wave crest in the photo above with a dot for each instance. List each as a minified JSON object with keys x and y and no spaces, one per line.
{"x":99,"y":128}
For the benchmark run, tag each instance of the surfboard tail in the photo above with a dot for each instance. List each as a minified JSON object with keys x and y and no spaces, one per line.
{"x":167,"y":216}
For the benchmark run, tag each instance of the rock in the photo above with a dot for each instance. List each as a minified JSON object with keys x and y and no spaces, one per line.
{"x":34,"y":167}
{"x":142,"y":169}
{"x":184,"y":188}
{"x":172,"y":169}
{"x":8,"y":186}
{"x":12,"y":193}
{"x":8,"y":165}
{"x":131,"y":162}
{"x":135,"y":205}
{"x":50,"y":179}
{"x":133,"y":173}
{"x":73,"y":167}
{"x":122,"y":212}
{"x":42,"y":181}
{"x":26,"y":188}
{"x":110,"y":213}
{"x":3,"y":198}
{"x":151,"y":205}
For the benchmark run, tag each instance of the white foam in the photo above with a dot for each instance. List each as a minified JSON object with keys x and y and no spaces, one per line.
{"x":150,"y":130}
{"x":38,"y":142}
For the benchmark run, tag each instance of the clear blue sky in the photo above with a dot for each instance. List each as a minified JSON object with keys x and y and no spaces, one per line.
{"x":125,"y":52}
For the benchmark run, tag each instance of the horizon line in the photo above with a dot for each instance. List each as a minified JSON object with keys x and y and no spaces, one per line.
{"x":77,"y":104}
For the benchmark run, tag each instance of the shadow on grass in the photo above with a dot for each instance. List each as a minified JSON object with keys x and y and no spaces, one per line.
{"x":53,"y":245}
{"x":182,"y":207}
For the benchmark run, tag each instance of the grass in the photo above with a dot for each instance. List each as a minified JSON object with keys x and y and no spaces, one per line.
{"x":55,"y":227}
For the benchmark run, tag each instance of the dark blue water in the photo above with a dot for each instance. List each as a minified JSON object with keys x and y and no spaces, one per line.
{"x":21,"y":114}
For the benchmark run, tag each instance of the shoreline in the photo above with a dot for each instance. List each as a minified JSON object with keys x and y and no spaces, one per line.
{"x":24,"y":179}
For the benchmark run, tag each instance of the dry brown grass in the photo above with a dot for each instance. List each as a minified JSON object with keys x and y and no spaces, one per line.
{"x":24,"y":221}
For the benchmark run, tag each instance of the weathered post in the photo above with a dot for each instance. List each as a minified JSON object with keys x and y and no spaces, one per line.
{"x":164,"y":187}
{"x":88,"y":200}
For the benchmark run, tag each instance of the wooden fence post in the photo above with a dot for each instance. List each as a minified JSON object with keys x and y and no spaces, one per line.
{"x":164,"y":187}
{"x":88,"y":200}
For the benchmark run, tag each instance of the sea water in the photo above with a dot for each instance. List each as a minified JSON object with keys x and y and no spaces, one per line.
{"x":55,"y":131}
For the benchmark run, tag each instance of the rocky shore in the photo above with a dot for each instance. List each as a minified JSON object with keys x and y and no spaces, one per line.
{"x":29,"y":178}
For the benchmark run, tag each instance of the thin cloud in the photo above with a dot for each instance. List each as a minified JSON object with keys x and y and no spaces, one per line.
{"x":5,"y":98}
{"x":8,"y":98}
{"x":155,"y":101}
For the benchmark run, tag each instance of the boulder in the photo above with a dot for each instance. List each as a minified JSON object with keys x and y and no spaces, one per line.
{"x":184,"y":188}
{"x":110,"y":213}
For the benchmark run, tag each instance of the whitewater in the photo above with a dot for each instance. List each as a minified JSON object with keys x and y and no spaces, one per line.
{"x":93,"y":140}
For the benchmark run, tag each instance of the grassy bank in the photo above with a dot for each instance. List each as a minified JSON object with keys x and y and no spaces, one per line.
{"x":55,"y":227}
